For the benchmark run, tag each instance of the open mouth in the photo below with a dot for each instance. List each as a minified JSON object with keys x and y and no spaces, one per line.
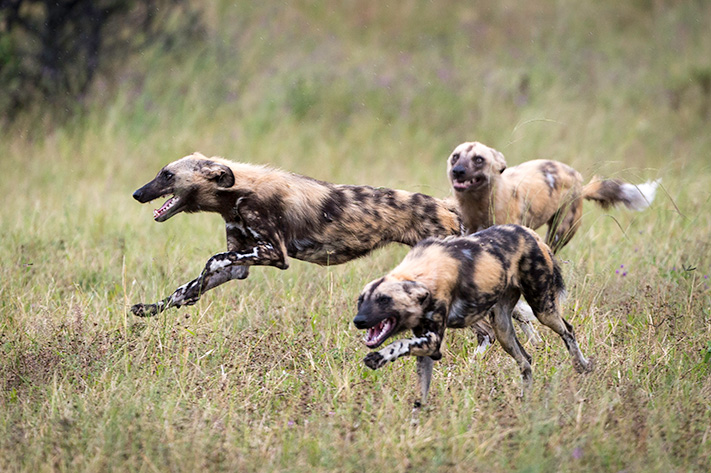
{"x":379,"y":333}
{"x":164,"y":212}
{"x":463,"y":185}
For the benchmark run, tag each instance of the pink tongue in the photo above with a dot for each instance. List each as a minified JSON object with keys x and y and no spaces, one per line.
{"x":374,"y":332}
{"x":158,"y":212}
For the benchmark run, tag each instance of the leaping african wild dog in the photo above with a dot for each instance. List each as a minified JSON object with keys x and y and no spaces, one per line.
{"x":533,"y":193}
{"x":457,"y":281}
{"x":271,"y":215}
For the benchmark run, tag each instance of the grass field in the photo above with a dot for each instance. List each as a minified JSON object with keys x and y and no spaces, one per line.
{"x":266,"y":374}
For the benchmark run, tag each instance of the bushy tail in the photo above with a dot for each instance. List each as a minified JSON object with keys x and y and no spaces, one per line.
{"x":610,"y":192}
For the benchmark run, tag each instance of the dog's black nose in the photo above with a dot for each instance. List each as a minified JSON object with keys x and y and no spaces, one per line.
{"x":138,"y":195}
{"x":360,"y":321}
{"x":458,"y":171}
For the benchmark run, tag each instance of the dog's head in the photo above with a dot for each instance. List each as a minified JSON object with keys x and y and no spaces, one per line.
{"x":388,"y":306}
{"x":473,"y":165}
{"x":192,"y":182}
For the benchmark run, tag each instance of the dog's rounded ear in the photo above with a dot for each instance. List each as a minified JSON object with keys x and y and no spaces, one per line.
{"x":221,"y":174}
{"x":418,"y":292}
{"x":499,"y":161}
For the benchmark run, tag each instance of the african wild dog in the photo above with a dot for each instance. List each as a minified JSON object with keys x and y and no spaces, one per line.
{"x":533,"y":193}
{"x":456,"y":281}
{"x":272,"y":214}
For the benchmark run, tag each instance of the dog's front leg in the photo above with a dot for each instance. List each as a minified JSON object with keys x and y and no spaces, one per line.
{"x":189,"y":293}
{"x":426,"y":345}
{"x":219,"y":269}
{"x":424,"y":377}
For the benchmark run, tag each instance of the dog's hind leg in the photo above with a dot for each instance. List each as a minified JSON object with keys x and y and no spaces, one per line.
{"x":485,"y":336}
{"x":424,"y":377}
{"x":559,"y":325}
{"x":503,"y":326}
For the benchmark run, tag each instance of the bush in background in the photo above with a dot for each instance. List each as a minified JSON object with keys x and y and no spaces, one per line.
{"x":51,"y":51}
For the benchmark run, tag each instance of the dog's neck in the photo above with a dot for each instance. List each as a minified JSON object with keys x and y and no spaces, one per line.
{"x":478,"y":208}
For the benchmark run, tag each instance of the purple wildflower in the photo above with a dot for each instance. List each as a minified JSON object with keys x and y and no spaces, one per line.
{"x":577,"y":453}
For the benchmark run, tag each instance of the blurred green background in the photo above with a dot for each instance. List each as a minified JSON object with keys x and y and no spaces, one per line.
{"x":266,"y":374}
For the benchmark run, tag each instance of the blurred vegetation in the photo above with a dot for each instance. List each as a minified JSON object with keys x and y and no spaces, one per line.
{"x":266,"y":374}
{"x":50,"y":51}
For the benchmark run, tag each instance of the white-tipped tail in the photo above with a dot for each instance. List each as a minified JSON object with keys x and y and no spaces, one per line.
{"x":639,"y":197}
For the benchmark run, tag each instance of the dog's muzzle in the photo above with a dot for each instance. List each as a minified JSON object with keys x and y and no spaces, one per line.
{"x":138,"y":195}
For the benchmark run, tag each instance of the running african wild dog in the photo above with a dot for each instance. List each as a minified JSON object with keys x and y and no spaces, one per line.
{"x":272,"y":214}
{"x":533,"y":193}
{"x":457,"y":281}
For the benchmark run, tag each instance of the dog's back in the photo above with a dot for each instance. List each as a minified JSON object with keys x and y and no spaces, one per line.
{"x":501,"y":261}
{"x":538,"y":189}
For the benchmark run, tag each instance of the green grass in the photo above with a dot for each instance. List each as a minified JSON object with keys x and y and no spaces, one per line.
{"x":266,"y":374}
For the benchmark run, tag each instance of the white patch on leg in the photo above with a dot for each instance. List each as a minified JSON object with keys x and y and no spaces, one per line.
{"x":234,"y":225}
{"x":524,"y":310}
{"x":483,"y":346}
{"x":523,"y":315}
{"x":178,"y":295}
{"x":580,"y":353}
{"x":395,"y":350}
{"x":218,"y":264}
{"x":404,"y":347}
{"x":253,"y":254}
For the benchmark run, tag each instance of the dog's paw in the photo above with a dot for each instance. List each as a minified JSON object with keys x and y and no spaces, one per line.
{"x":590,"y":367}
{"x":189,"y":301}
{"x":374,"y":360}
{"x":144,"y":310}
{"x":586,"y":367}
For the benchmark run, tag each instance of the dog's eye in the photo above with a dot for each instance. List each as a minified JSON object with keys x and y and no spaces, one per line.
{"x":455,"y":158}
{"x":167,"y":175}
{"x":478,"y":160}
{"x":383,"y":301}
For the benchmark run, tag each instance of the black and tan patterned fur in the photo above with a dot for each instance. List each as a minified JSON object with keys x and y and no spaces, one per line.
{"x":271,"y":215}
{"x":457,"y":281}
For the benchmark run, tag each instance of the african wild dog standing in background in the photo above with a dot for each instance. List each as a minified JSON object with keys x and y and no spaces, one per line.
{"x":272,"y":214}
{"x":456,"y":282}
{"x":533,"y":193}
